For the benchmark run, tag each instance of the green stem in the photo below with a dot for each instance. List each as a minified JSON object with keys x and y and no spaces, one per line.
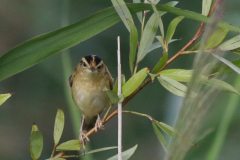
{"x":224,"y":124}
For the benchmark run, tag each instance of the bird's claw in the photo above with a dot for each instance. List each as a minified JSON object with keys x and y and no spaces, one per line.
{"x":98,"y":124}
{"x":81,"y":139}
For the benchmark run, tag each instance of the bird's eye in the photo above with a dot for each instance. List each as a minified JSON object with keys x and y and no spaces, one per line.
{"x":99,"y":67}
{"x":84,"y":64}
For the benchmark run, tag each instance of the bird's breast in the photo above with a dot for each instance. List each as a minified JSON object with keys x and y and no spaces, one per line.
{"x":88,"y":95}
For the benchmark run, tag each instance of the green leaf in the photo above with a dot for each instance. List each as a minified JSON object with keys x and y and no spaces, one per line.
{"x":181,"y":75}
{"x":133,"y":44}
{"x":160,"y":137}
{"x":173,"y":86}
{"x":36,"y":143}
{"x":113,"y":96}
{"x":139,"y":14}
{"x":134,"y":82}
{"x":152,"y":1}
{"x":159,"y":19}
{"x":172,"y":27}
{"x":206,"y":5}
{"x":161,"y":63}
{"x":123,"y":12}
{"x":115,"y":88}
{"x":161,"y":40}
{"x":223,"y":69}
{"x":166,"y":128}
{"x":56,"y":159}
{"x":237,"y":51}
{"x":4,"y":97}
{"x":72,"y":145}
{"x":147,"y":37}
{"x":217,"y":37}
{"x":58,"y":127}
{"x":154,"y":46}
{"x":36,"y":49}
{"x":231,"y":65}
{"x":221,"y":85}
{"x":126,"y":154}
{"x":230,"y":44}
{"x":194,"y":48}
{"x":99,"y":150}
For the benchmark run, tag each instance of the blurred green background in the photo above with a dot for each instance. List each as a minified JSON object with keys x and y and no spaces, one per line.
{"x":39,"y":90}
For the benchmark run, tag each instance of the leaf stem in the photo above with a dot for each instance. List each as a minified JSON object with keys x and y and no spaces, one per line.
{"x":140,"y":114}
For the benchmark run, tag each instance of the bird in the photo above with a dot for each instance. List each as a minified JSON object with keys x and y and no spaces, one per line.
{"x":87,"y":82}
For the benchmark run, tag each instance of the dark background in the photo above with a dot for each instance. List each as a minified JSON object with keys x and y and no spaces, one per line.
{"x":39,"y":90}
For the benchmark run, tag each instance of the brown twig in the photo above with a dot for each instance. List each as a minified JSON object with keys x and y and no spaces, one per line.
{"x":115,"y":112}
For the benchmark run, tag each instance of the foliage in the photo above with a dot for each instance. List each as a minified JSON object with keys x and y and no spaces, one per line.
{"x":195,"y":85}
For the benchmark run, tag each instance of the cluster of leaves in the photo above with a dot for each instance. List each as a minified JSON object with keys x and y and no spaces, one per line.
{"x":36,"y":142}
{"x":41,"y":47}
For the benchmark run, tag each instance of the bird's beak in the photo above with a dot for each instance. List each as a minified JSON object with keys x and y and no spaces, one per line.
{"x":92,"y":69}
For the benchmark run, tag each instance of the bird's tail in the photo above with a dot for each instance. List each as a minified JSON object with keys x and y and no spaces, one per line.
{"x":89,"y":124}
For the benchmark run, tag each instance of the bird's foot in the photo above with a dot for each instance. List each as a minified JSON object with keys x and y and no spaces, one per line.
{"x":82,"y":138}
{"x":98,"y":124}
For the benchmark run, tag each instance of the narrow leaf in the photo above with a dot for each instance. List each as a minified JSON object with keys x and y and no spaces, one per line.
{"x":181,"y":75}
{"x":237,"y":51}
{"x":126,"y":154}
{"x":221,"y":85}
{"x":4,"y":97}
{"x":99,"y":150}
{"x":172,"y":27}
{"x":123,"y":12}
{"x":194,"y":48}
{"x":36,"y":49}
{"x":161,"y":40}
{"x":154,"y":46}
{"x":133,"y":44}
{"x":166,"y":128}
{"x":115,"y":88}
{"x":223,"y":69}
{"x":58,"y":127}
{"x":206,"y":5}
{"x":217,"y":37}
{"x":159,"y":19}
{"x":230,"y":44}
{"x":147,"y":37}
{"x":56,"y":159}
{"x":231,"y":65}
{"x":160,"y":137}
{"x":36,"y":143}
{"x":113,"y":96}
{"x":161,"y":63}
{"x":173,"y":86}
{"x":72,"y":145}
{"x":139,"y":14}
{"x":134,"y":82}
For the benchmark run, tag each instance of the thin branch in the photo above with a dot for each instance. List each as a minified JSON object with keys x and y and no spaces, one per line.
{"x":140,"y":114}
{"x":53,"y":152}
{"x":119,"y":103}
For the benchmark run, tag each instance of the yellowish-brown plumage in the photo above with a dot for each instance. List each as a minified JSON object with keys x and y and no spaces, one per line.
{"x":87,"y":82}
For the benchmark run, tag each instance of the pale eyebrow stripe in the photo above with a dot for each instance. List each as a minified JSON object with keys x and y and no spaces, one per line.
{"x":86,"y":62}
{"x":99,"y":64}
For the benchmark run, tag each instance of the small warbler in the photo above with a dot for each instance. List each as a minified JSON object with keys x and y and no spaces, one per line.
{"x":87,"y":82}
